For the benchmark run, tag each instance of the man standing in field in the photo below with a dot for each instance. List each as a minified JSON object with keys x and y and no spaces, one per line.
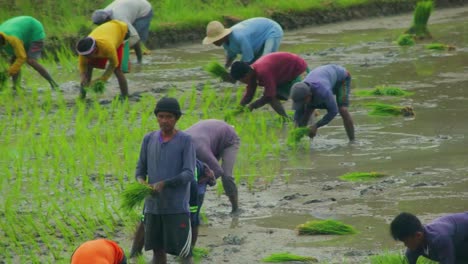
{"x":277,"y":72}
{"x":444,"y":240}
{"x":22,"y":38}
{"x":252,"y":38}
{"x":105,"y":43}
{"x":102,"y":251}
{"x":325,"y":87}
{"x":136,"y":13}
{"x":216,"y":140}
{"x":166,"y":164}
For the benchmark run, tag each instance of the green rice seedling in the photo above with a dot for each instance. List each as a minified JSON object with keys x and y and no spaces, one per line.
{"x":231,"y":114}
{"x":98,"y":87}
{"x":134,"y":195}
{"x":361,"y":176}
{"x":405,"y":40}
{"x":380,"y":109}
{"x":439,"y":46}
{"x":296,"y":134}
{"x":325,"y":227}
{"x":396,"y":258}
{"x":3,"y":79}
{"x":218,"y":71}
{"x":286,"y":256}
{"x":199,"y":253}
{"x":383,"y":90}
{"x":422,"y":12}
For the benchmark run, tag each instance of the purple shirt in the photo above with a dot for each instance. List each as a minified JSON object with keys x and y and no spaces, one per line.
{"x":272,"y":70}
{"x":447,"y":240}
{"x":210,"y":137}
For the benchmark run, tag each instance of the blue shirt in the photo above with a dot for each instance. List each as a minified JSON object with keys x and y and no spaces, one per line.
{"x":172,"y":162}
{"x":447,"y":240}
{"x":322,"y":81}
{"x":247,"y":37}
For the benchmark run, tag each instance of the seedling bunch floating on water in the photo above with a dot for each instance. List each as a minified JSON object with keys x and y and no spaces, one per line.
{"x":286,"y":256}
{"x":395,"y":258}
{"x":134,"y":195}
{"x":383,"y":90}
{"x":440,"y":46}
{"x":325,"y":227}
{"x":406,"y":40}
{"x":380,"y":109}
{"x":361,"y":176}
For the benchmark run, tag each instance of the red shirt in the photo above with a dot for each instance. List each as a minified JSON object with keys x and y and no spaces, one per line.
{"x":99,"y":251}
{"x":272,"y":70}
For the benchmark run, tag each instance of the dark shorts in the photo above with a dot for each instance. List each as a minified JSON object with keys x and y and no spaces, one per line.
{"x":195,"y":216}
{"x":142,"y":25}
{"x":35,"y":49}
{"x":342,"y":90}
{"x":283,"y":90}
{"x":171,"y":233}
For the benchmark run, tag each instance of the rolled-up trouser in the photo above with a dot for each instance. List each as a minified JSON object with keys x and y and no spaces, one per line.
{"x":228,"y":160}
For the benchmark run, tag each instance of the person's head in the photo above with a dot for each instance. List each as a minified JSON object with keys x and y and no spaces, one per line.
{"x":242,"y":71}
{"x":86,"y":46}
{"x":300,"y":95}
{"x":167,"y":112}
{"x":101,"y":16}
{"x":408,"y":229}
{"x":216,"y":33}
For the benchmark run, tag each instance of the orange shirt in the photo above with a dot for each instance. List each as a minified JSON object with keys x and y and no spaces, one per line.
{"x":99,"y":251}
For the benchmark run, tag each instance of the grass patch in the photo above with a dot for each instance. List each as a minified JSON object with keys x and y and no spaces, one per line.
{"x":395,"y":258}
{"x":295,"y":135}
{"x":382,"y":90}
{"x":379,"y":109}
{"x":325,"y":227}
{"x":421,"y":15}
{"x":405,"y":40}
{"x":134,"y":195}
{"x":361,"y":176}
{"x":286,"y":256}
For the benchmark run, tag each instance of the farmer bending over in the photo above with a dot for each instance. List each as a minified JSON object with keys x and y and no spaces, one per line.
{"x":277,"y":72}
{"x":325,"y":87}
{"x":136,"y":13}
{"x":22,"y":38}
{"x":102,"y":251}
{"x":444,"y":240}
{"x":252,"y":38}
{"x":166,"y":164}
{"x":105,"y":43}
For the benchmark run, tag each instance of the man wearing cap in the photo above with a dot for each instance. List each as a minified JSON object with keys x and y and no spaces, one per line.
{"x":277,"y":72}
{"x":22,"y":38}
{"x":166,"y":164}
{"x":325,"y":87}
{"x":136,"y":13}
{"x":105,"y":43}
{"x":102,"y":251}
{"x":252,"y":38}
{"x":217,"y":140}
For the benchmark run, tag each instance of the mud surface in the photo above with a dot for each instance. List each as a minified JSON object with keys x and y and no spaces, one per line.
{"x":424,"y":156}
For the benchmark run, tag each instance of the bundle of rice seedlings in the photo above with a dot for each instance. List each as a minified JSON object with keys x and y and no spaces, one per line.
{"x":98,"y":86}
{"x":361,"y":176}
{"x":405,"y":40}
{"x":325,"y":227}
{"x":218,"y":71}
{"x":134,"y":195}
{"x":382,"y":90}
{"x":199,"y":253}
{"x":439,"y":46}
{"x":395,"y":258}
{"x":422,"y":12}
{"x":3,"y":78}
{"x":295,"y":135}
{"x":380,"y":109}
{"x":286,"y":256}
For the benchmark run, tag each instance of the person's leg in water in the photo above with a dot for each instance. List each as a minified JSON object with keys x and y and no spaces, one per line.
{"x":138,"y":241}
{"x":228,"y":160}
{"x":122,"y":82}
{"x":34,"y":53}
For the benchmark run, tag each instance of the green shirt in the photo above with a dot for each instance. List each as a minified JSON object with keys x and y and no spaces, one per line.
{"x":25,"y":28}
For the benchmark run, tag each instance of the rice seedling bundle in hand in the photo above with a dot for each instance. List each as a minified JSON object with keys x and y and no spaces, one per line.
{"x":361,"y":176}
{"x":395,"y":258}
{"x":380,"y":109}
{"x":218,"y":71}
{"x":134,"y":195}
{"x":405,"y":40}
{"x":325,"y":227}
{"x":98,"y":87}
{"x":286,"y":256}
{"x":422,"y":12}
{"x":295,"y":135}
{"x":383,"y":90}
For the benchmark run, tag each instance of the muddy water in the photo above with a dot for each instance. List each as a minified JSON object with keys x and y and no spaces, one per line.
{"x":425,"y":157}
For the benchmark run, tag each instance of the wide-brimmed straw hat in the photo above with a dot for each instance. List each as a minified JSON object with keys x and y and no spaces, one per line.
{"x":215,"y":31}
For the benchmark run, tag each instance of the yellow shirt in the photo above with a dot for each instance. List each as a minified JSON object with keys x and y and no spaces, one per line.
{"x":109,"y":36}
{"x":19,"y":51}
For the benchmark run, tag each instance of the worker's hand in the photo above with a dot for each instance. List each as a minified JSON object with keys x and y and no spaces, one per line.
{"x":208,"y":177}
{"x":142,"y":181}
{"x":313,"y":131}
{"x":157,"y":187}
